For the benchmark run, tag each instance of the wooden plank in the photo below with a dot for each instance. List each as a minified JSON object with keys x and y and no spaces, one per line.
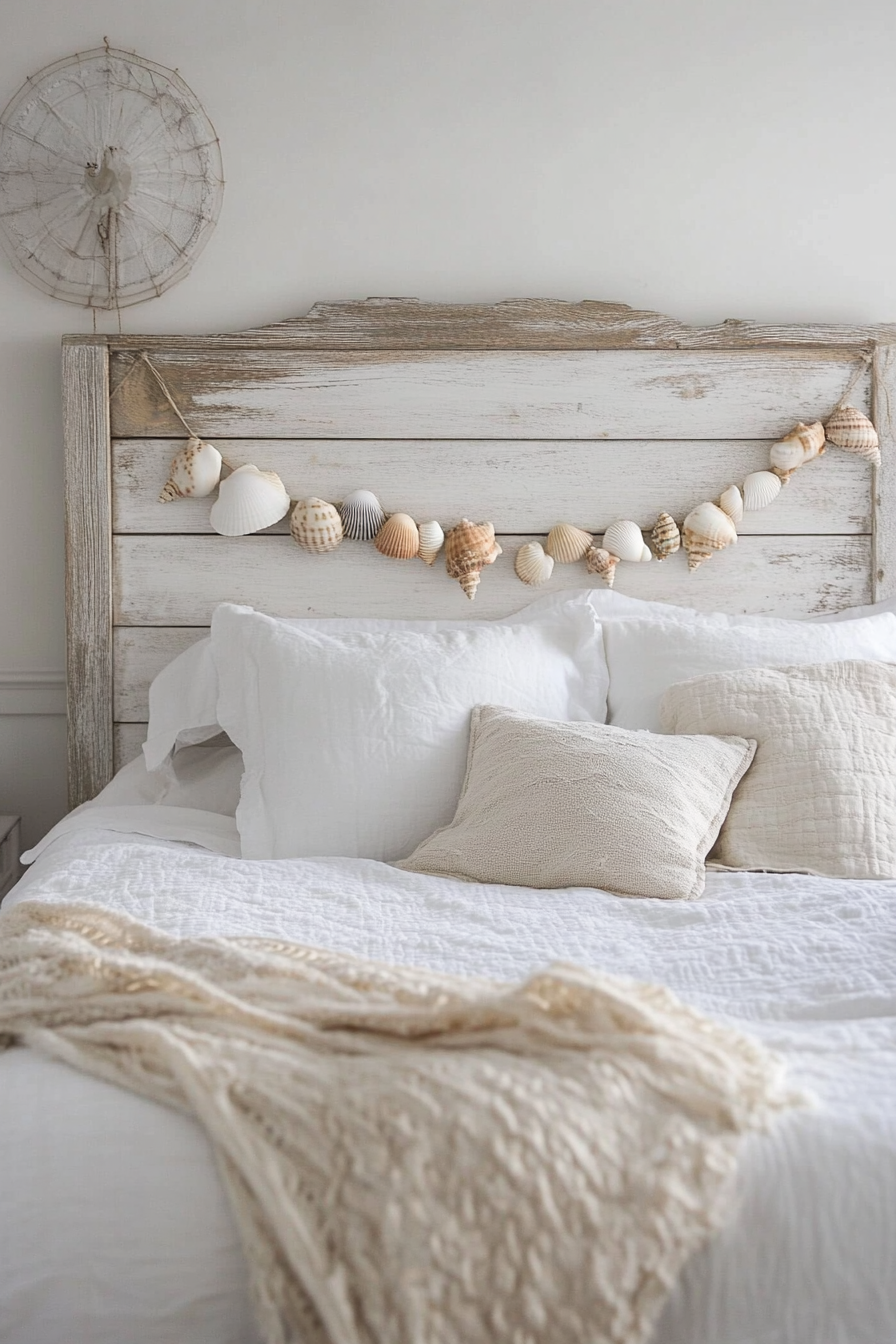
{"x":179,"y":580}
{"x":514,"y":324}
{"x":140,"y":654}
{"x":128,"y":739}
{"x":88,"y":580}
{"x":414,"y":394}
{"x":521,"y":486}
{"x":884,"y":396}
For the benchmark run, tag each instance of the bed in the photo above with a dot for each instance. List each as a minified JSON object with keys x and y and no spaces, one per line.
{"x":115,"y":1224}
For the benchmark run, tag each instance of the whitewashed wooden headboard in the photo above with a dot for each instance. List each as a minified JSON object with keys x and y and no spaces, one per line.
{"x":525,"y":413}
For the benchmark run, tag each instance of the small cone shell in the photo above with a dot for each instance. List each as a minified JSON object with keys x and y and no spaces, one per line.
{"x":316,"y":525}
{"x":706,"y":529}
{"x":852,"y":431}
{"x":598,"y":560}
{"x":567,"y":544}
{"x":362,"y":515}
{"x":431,"y":540}
{"x":194,"y":472}
{"x":665,"y":536}
{"x":532,"y":564}
{"x":399,"y":537}
{"x":799,"y":446}
{"x":731,"y":501}
{"x":468,"y":548}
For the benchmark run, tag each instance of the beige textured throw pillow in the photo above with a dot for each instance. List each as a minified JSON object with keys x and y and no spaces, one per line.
{"x":550,"y":804}
{"x":821,"y":794}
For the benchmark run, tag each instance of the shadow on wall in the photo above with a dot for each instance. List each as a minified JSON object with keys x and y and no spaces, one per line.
{"x":32,"y":784}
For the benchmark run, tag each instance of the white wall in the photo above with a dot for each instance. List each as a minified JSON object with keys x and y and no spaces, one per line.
{"x":707,"y":158}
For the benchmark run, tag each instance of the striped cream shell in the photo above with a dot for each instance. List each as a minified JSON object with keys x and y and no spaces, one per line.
{"x":399,"y":537}
{"x":431,"y":539}
{"x":665,"y":537}
{"x":194,"y":472}
{"x":468,"y":548}
{"x":316,"y":525}
{"x":731,"y":501}
{"x":624,"y":540}
{"x":799,"y":446}
{"x":532,"y":564}
{"x":567,"y":544}
{"x":760,"y":489}
{"x":362,"y":515}
{"x":598,"y":560}
{"x":248,"y":500}
{"x":706,"y":529}
{"x":851,"y":430}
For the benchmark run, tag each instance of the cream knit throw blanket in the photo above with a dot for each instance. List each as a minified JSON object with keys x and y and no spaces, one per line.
{"x":413,"y":1158}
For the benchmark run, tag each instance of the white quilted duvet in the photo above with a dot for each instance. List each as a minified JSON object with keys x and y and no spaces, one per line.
{"x":113,"y":1227}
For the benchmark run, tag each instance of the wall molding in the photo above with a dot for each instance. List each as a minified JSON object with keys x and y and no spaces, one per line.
{"x":32,"y":693}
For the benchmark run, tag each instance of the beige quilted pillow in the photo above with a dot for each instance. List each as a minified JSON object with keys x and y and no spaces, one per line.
{"x":821,"y":794}
{"x":548,"y":804}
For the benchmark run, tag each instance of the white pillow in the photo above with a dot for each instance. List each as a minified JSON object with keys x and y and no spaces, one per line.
{"x":646,"y":657}
{"x":183,"y":697}
{"x":354,"y":743}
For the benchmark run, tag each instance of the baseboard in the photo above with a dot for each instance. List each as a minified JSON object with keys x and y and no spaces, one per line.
{"x":32,"y":692}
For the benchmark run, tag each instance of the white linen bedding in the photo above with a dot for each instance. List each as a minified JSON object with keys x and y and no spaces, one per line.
{"x":113,"y":1226}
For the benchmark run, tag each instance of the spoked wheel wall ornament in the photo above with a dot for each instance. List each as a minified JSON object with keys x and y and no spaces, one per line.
{"x":110,"y":179}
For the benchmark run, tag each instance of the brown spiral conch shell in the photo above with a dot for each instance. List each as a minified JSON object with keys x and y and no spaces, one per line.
{"x":799,"y":446}
{"x":598,"y":560}
{"x":194,"y":472}
{"x":665,"y":537}
{"x":469,"y":547}
{"x":706,"y":529}
{"x":852,"y":431}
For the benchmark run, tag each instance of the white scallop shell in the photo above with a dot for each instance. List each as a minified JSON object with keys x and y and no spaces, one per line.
{"x":194,"y":472}
{"x":248,"y":500}
{"x":532,"y":564}
{"x":362,"y":515}
{"x":731,"y":501}
{"x":567,"y":543}
{"x":624,"y":540}
{"x":760,"y":488}
{"x":316,"y":525}
{"x":431,"y":540}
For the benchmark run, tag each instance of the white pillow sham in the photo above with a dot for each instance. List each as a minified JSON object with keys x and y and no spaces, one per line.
{"x":183,"y":697}
{"x":647,"y":656}
{"x":354,"y":743}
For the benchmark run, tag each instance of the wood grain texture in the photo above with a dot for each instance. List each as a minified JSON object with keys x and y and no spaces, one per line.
{"x":514,"y":324}
{"x":140,"y":654}
{"x":180,"y":580}
{"x":884,"y":414}
{"x":492,"y":394}
{"x":521,"y":486}
{"x":128,"y":739}
{"x":88,"y":578}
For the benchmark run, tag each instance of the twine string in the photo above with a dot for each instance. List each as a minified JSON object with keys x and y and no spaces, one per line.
{"x":866,"y":358}
{"x":165,"y":393}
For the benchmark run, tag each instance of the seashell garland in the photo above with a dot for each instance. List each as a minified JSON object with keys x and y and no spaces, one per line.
{"x":799,"y":446}
{"x":759,"y":490}
{"x":248,"y":500}
{"x":567,"y":544}
{"x":598,"y":560}
{"x":468,"y":548}
{"x":362,"y":515}
{"x":665,"y":537}
{"x":731,"y":501}
{"x":851,"y":430}
{"x":431,"y":540}
{"x":624,"y":540}
{"x":316,"y":525}
{"x":399,"y":537}
{"x":194,"y":472}
{"x":706,"y":529}
{"x":532,"y":564}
